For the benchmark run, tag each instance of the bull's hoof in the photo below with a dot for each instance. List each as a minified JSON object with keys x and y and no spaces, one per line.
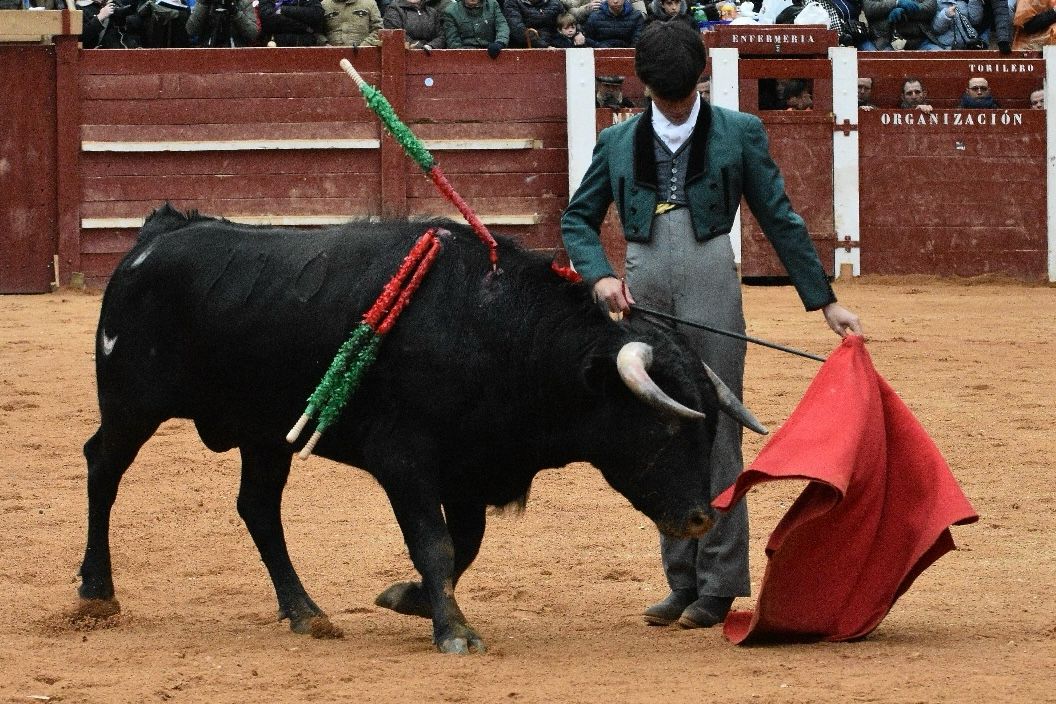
{"x":406,"y":598}
{"x":316,"y":625}
{"x":92,"y":614}
{"x":462,"y":644}
{"x":321,"y":627}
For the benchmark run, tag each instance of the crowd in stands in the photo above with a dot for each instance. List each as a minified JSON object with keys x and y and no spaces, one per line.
{"x":493,"y":25}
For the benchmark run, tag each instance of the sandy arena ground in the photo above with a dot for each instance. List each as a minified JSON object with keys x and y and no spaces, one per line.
{"x":557,"y":592}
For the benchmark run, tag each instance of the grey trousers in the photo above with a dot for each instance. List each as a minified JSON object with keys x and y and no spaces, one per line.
{"x":676,"y":274}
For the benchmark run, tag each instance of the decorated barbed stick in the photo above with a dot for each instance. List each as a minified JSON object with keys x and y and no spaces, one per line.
{"x":421,"y":156}
{"x":356,"y":354}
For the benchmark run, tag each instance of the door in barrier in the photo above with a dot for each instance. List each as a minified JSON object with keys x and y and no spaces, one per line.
{"x":27,"y":170}
{"x":801,"y":145}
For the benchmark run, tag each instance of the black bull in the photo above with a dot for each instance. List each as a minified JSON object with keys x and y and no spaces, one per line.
{"x":483,"y":382}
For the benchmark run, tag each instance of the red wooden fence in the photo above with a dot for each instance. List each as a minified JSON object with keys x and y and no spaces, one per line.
{"x":95,"y":139}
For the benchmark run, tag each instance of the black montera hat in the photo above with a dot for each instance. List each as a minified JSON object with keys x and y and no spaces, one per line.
{"x":611,"y":80}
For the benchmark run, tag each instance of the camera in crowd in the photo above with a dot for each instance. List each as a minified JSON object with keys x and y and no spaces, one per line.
{"x":221,"y":16}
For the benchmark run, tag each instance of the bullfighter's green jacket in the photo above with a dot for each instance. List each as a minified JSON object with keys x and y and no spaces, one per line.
{"x":729,"y":157}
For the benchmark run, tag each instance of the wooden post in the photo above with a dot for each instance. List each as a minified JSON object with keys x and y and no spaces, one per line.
{"x":68,"y":155}
{"x":394,"y":163}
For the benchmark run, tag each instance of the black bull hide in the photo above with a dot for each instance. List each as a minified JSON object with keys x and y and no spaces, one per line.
{"x":483,"y":382}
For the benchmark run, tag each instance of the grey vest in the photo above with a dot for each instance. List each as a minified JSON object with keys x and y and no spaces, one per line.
{"x":671,"y":172}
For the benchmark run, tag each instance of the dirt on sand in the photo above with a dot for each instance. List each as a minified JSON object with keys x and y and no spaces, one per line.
{"x":557,"y":592}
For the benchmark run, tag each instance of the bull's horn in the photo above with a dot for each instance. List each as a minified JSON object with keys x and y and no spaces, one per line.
{"x":632,"y":363}
{"x":729,"y":402}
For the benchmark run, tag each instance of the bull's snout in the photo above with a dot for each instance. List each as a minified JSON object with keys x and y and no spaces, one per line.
{"x":696,"y":524}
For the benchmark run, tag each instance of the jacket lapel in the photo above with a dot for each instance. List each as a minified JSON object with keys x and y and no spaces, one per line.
{"x":644,"y":151}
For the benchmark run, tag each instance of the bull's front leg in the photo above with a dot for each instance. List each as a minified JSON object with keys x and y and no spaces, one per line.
{"x":465,"y":524}
{"x":432,"y":551}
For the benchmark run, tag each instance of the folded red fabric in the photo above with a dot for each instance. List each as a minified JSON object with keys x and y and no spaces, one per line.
{"x":875,"y":514}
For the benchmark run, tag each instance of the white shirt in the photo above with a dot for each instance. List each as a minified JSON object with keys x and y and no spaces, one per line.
{"x":674,"y":136}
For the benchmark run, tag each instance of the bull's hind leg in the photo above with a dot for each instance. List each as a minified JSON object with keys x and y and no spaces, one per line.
{"x":465,"y":524}
{"x":264,"y":474}
{"x":109,"y":453}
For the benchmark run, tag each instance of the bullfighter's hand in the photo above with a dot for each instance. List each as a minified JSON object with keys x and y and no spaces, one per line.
{"x":613,"y":296}
{"x":842,"y":321}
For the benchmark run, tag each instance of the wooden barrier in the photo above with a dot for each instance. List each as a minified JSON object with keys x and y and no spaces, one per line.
{"x":954,"y":192}
{"x":174,"y":125}
{"x":281,"y":136}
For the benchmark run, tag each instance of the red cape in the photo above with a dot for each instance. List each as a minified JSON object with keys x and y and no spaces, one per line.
{"x":875,"y":514}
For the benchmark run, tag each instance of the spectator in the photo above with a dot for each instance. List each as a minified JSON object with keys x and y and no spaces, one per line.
{"x":163,"y":23}
{"x":569,"y":35}
{"x":1037,"y":100}
{"x":843,"y":18}
{"x":865,"y":94}
{"x":914,"y":96}
{"x":608,"y":93}
{"x":224,"y":22}
{"x":293,"y":22}
{"x":476,"y":24}
{"x":615,"y":24}
{"x":978,"y":95}
{"x":533,"y":23}
{"x":352,"y":22}
{"x":958,"y":24}
{"x":997,"y":23}
{"x":422,"y":25}
{"x":1035,"y":25}
{"x":704,"y":88}
{"x":581,"y":9}
{"x":670,"y":11}
{"x":103,"y":24}
{"x":798,"y":95}
{"x":896,"y":20}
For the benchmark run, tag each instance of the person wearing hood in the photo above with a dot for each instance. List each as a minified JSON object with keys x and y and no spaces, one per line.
{"x":670,"y":11}
{"x":958,"y":24}
{"x":978,"y":95}
{"x":614,"y":24}
{"x":905,"y":19}
{"x":533,"y":23}
{"x":352,"y":22}
{"x":103,"y":24}
{"x":422,"y":24}
{"x":476,"y":24}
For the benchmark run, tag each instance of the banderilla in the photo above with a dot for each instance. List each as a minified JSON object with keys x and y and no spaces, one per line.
{"x":727,"y":333}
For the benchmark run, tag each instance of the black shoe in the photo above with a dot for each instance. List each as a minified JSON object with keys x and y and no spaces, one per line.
{"x":666,"y":612}
{"x":705,"y":612}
